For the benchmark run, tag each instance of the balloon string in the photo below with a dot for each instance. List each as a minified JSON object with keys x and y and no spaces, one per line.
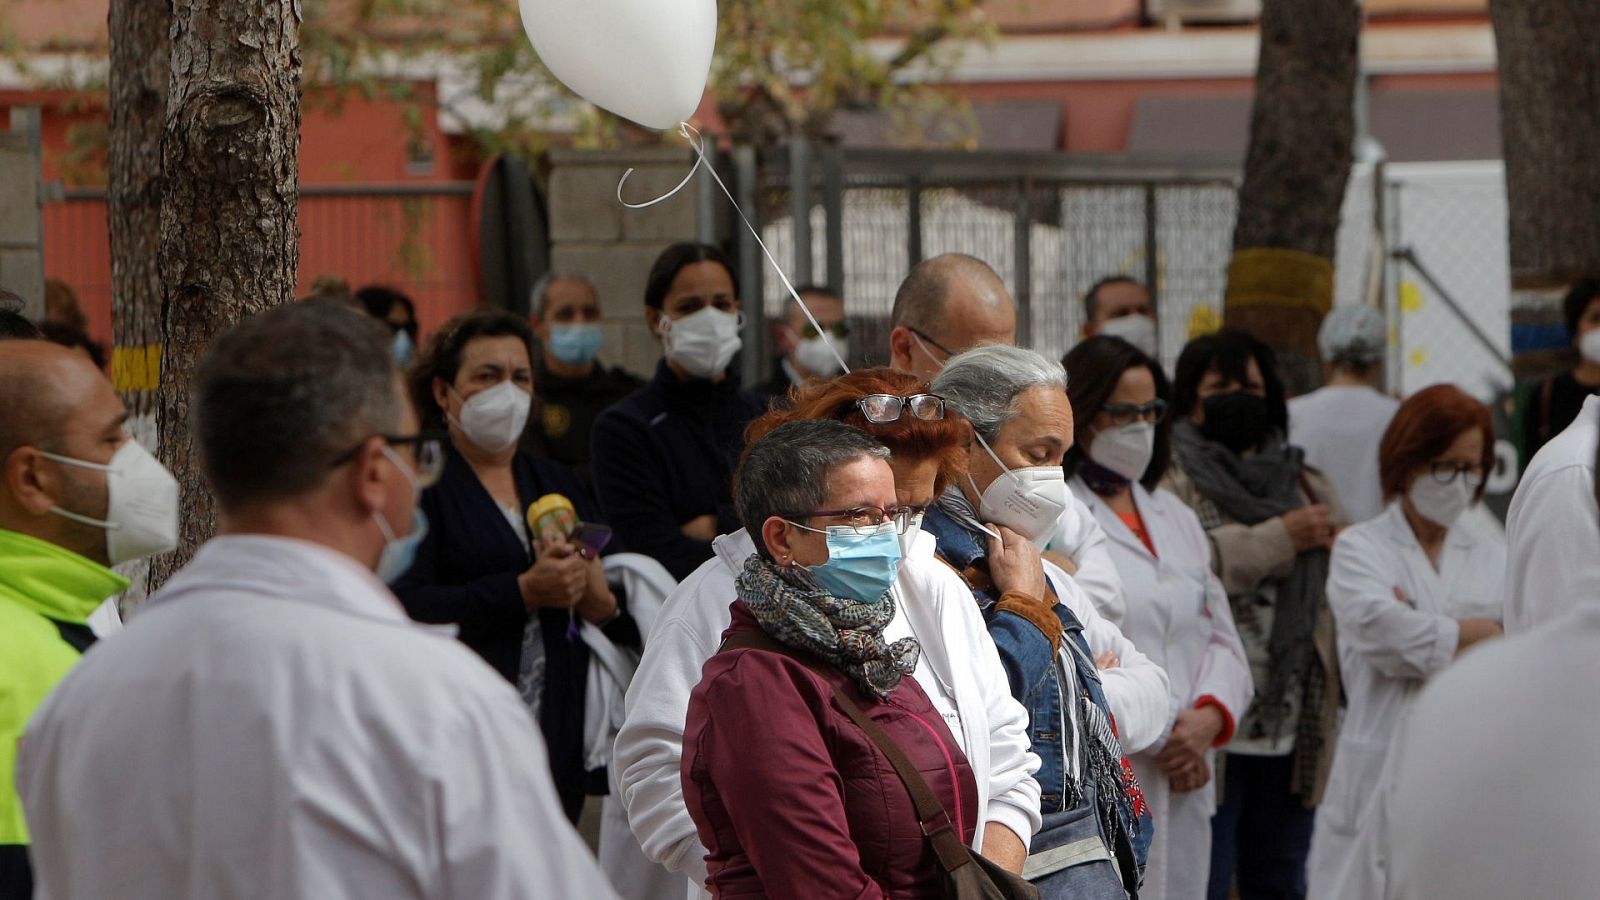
{"x":692,"y":135}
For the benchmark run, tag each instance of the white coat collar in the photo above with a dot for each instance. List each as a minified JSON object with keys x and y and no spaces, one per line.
{"x":1112,"y":524}
{"x":291,"y":570}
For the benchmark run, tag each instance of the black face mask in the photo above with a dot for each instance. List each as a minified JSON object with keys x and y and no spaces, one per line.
{"x":1236,"y":420}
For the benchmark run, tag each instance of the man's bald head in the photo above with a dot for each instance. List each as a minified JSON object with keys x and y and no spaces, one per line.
{"x":43,"y":387}
{"x":957,"y":301}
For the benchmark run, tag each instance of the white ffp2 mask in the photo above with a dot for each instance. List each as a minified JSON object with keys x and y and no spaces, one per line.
{"x":1125,"y":449}
{"x":1440,"y":504}
{"x":702,"y":343}
{"x":142,"y":506}
{"x":816,"y":357}
{"x":1028,"y":501}
{"x":493,"y":419}
{"x":1138,"y":330}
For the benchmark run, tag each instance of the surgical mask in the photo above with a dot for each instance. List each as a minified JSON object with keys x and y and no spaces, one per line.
{"x":1589,"y":345}
{"x":403,"y":348}
{"x":1440,"y":504}
{"x":814,"y":355}
{"x":400,"y":552}
{"x":493,"y":419}
{"x":702,"y":343}
{"x":1138,"y":330}
{"x":1236,"y":420}
{"x":575,"y":345}
{"x":142,"y":506}
{"x":1125,"y":449}
{"x":860,"y":567}
{"x":1028,"y":501}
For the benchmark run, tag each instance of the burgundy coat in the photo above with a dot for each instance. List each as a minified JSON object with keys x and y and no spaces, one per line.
{"x":791,"y":799}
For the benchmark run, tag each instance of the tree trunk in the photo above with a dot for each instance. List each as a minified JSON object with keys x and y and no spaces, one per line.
{"x":141,"y":66}
{"x":1302,"y":132}
{"x":229,"y":241}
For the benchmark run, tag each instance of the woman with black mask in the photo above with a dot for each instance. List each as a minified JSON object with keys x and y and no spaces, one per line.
{"x":1271,"y":521}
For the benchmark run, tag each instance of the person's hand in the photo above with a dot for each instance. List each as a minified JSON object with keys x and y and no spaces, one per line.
{"x":1191,"y":776}
{"x":1309,"y":527}
{"x":1193,"y":733}
{"x":1474,"y":631}
{"x":598,"y":603}
{"x":1106,"y":659}
{"x":1401,"y":596}
{"x":557,"y":580}
{"x":701,"y":528}
{"x":1014,"y":564}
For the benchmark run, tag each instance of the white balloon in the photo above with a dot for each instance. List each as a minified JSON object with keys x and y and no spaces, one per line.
{"x":645,"y":60}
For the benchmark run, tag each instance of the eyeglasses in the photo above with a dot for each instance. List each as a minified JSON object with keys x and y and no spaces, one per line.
{"x":1128,"y":413}
{"x":839,"y":329}
{"x":884,"y":409}
{"x":862,"y":520}
{"x":924,"y":336}
{"x":1448,"y":472}
{"x":427,"y":451}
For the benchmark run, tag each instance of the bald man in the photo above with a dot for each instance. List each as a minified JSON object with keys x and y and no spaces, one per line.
{"x":64,"y":519}
{"x":948,"y":305}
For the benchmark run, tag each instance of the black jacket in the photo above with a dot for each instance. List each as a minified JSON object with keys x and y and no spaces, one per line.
{"x":466,"y":574}
{"x":566,"y":410}
{"x":666,"y":455}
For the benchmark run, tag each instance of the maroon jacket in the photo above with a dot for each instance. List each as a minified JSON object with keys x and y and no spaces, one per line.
{"x":791,"y":799}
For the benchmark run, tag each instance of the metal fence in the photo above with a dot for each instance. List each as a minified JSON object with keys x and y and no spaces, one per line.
{"x":1050,"y":225}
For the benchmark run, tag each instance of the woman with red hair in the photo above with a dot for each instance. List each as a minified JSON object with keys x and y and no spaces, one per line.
{"x":958,"y":667}
{"x":1410,"y":591}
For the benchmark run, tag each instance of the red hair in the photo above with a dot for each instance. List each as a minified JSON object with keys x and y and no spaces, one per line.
{"x":909,"y":439}
{"x":1425,"y":426}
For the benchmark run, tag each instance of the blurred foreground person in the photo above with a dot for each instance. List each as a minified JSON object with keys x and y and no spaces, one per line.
{"x":77,"y":495}
{"x":1177,"y":609}
{"x":1410,"y":590}
{"x":272,"y":726}
{"x":1552,"y":530}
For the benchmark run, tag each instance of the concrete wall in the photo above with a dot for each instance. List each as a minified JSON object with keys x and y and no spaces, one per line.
{"x":21,"y":262}
{"x":592,"y":234}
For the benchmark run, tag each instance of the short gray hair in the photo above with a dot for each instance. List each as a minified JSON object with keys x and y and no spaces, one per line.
{"x":281,"y":395}
{"x":541,"y":289}
{"x":786,"y":472}
{"x":984,"y":383}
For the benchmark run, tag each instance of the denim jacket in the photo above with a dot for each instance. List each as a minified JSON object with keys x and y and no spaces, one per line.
{"x":1036,"y":682}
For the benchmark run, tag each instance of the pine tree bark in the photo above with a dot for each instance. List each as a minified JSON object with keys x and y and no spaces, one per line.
{"x":1302,"y":134}
{"x":229,"y":238}
{"x":1550,"y":117}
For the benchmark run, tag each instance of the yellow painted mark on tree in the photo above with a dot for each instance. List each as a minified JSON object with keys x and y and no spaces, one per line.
{"x":1418,"y":357}
{"x":1204,"y":320}
{"x":1410,"y":297}
{"x":135,"y":369}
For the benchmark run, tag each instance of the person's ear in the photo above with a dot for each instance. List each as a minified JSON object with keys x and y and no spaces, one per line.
{"x":441,"y":394}
{"x":540,"y":329}
{"x":900,"y":349}
{"x":369,"y":475}
{"x":652,"y":317}
{"x":775,"y":534}
{"x":32,"y":483}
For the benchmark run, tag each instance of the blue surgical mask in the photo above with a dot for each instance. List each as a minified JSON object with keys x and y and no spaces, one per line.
{"x":403,"y":348}
{"x":860,"y":567}
{"x":575,"y":345}
{"x":399,"y":553}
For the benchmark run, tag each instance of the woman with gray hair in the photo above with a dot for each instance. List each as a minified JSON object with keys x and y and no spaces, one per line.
{"x":786,"y":770}
{"x":1092,"y":698}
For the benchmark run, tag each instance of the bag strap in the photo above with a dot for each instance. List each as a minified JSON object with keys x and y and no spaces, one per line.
{"x":931,"y":815}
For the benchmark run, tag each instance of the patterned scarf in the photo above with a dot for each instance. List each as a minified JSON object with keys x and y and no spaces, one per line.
{"x":792,"y":608}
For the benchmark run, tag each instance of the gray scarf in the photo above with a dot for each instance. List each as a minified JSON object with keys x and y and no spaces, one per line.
{"x":1253,"y":490}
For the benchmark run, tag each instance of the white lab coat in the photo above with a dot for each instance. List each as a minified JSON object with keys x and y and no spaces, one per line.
{"x":1178,"y":614}
{"x":1387,"y":651}
{"x":1080,"y":538}
{"x":1339,"y":427}
{"x":958,"y":660}
{"x":272,"y":726}
{"x":1553,"y":529}
{"x":1493,"y":789}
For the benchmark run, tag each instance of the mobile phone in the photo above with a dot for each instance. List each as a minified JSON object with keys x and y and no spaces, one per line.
{"x":592,"y":538}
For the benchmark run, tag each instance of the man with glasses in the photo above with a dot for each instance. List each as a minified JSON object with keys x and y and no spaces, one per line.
{"x":804,"y":353}
{"x":274,"y":725}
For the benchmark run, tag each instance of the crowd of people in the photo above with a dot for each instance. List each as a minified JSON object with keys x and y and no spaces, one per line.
{"x":481,"y":608}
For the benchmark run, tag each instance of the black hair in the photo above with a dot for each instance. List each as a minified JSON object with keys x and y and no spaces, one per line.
{"x":13,"y":324}
{"x":1583,"y":292}
{"x":1091,"y":297}
{"x":379,"y":300}
{"x":1094,"y":367}
{"x":1229,"y":353}
{"x":675,"y":259}
{"x":70,"y":336}
{"x":441,"y":355}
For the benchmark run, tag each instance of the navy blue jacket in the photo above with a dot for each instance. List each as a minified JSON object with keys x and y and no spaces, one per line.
{"x":466,"y":574}
{"x":665,"y":455}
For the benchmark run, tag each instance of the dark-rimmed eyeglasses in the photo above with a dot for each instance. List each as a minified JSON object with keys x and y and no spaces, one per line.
{"x":1128,"y":413}
{"x":1447,"y":472}
{"x":884,"y":409}
{"x":427,"y":452}
{"x":863,"y":520}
